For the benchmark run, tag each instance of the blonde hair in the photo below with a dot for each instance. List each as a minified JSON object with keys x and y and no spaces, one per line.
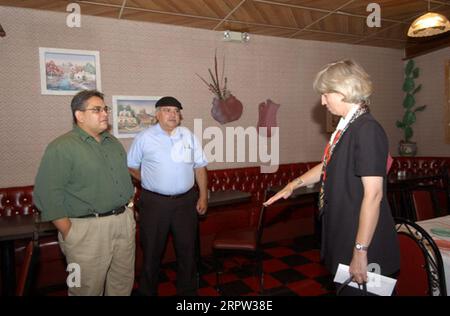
{"x":347,"y":78}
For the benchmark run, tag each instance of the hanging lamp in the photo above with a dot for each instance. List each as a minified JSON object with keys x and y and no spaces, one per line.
{"x":429,"y":24}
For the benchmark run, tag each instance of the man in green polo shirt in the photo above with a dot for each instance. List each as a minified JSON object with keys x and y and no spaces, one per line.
{"x":83,"y":187}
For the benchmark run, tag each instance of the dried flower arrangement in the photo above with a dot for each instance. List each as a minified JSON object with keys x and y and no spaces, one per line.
{"x":226,"y":107}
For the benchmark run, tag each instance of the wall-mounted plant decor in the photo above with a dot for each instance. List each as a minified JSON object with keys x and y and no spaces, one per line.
{"x":226,"y":107}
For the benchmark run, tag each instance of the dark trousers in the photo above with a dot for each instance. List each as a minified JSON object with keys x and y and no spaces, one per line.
{"x":158,"y":215}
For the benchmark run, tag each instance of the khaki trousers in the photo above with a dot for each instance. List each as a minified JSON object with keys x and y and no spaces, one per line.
{"x":104,"y":250}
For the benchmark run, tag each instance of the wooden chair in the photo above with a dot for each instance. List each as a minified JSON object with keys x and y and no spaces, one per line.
{"x":245,"y":242}
{"x":424,"y":202}
{"x":27,"y":268}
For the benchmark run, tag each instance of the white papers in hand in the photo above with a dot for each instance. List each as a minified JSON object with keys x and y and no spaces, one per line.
{"x":376,"y":283}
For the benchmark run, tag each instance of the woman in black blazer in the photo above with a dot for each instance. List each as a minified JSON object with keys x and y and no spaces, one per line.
{"x":357,"y":225}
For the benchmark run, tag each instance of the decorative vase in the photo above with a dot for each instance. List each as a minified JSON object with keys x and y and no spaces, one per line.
{"x":407,"y":149}
{"x":226,"y":111}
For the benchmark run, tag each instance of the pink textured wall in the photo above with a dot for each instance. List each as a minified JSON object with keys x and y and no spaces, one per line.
{"x":152,"y":59}
{"x":429,"y":132}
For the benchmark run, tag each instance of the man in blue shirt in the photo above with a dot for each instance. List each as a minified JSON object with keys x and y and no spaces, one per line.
{"x":168,"y":158}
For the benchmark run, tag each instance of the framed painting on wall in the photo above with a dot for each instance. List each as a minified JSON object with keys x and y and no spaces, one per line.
{"x":132,"y":114}
{"x":67,"y":71}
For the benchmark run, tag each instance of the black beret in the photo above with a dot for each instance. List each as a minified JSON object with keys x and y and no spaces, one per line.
{"x":168,"y":101}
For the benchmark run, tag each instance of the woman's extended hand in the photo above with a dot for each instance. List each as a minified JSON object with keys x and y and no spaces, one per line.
{"x":283,"y":193}
{"x":358,"y":266}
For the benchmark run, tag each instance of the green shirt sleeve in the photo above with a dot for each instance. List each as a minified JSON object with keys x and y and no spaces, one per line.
{"x":51,"y":179}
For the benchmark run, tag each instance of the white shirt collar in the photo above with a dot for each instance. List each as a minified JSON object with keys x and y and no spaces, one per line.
{"x":344,"y":121}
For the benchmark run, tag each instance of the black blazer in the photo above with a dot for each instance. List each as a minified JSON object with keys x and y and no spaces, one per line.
{"x":362,"y":151}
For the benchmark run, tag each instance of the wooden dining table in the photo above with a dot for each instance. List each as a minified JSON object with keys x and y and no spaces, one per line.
{"x":228,"y":197}
{"x":14,"y":228}
{"x":22,"y":226}
{"x":302,"y":191}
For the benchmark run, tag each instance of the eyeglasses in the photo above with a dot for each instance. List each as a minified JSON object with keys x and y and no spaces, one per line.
{"x":168,"y":110}
{"x":98,"y":109}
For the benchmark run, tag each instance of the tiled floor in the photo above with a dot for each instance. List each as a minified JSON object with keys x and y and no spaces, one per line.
{"x":291,"y":268}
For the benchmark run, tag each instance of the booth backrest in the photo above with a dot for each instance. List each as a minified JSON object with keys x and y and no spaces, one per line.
{"x":252,"y":180}
{"x":420,"y":165}
{"x":19,"y":200}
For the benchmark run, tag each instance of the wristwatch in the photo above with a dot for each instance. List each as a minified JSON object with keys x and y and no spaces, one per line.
{"x":360,"y":247}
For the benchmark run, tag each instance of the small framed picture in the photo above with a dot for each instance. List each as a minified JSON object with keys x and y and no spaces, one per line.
{"x":67,"y":71}
{"x":132,"y":114}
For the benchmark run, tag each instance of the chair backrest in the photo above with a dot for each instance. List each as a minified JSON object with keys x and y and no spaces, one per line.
{"x":444,"y":194}
{"x":261,"y":219}
{"x":24,"y":281}
{"x":421,"y":267}
{"x":272,"y":214}
{"x":425,"y":202}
